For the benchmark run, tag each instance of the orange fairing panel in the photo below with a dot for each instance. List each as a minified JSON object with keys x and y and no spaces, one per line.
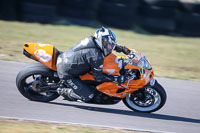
{"x":111,"y":89}
{"x":45,"y":53}
{"x":111,"y":65}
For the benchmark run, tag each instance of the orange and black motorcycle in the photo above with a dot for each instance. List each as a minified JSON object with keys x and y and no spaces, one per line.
{"x":141,"y":92}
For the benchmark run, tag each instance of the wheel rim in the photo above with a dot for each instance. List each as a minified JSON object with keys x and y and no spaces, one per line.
{"x":149,"y":103}
{"x":33,"y":81}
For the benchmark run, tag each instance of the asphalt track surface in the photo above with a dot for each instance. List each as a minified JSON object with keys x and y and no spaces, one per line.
{"x":181,"y":113}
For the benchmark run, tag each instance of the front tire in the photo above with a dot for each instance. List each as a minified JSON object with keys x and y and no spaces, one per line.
{"x":153,"y":99}
{"x":32,"y":76}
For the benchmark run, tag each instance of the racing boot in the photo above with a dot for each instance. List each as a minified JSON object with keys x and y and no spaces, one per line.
{"x":73,"y":95}
{"x":68,"y":94}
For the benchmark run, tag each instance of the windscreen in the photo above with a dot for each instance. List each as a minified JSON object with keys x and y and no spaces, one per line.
{"x":140,"y":60}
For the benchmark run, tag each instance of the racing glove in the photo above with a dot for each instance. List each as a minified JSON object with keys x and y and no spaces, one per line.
{"x":126,"y":50}
{"x":123,"y":49}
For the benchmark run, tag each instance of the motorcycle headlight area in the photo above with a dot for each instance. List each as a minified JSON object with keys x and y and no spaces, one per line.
{"x":144,"y":64}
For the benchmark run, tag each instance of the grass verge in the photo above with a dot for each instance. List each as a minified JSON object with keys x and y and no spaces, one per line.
{"x":21,"y":126}
{"x":173,"y":57}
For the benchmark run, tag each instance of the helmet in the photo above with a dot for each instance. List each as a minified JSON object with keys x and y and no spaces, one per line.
{"x":106,"y":40}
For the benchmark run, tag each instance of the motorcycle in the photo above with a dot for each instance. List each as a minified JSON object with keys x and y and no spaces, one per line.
{"x":141,"y":92}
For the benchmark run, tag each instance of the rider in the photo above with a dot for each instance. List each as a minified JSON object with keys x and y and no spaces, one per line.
{"x":87,"y":55}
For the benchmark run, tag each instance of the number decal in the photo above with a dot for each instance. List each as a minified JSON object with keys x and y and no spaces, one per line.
{"x":45,"y":57}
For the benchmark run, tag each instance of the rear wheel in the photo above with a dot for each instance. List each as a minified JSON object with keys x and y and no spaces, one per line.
{"x":147,"y":100}
{"x":33,"y":76}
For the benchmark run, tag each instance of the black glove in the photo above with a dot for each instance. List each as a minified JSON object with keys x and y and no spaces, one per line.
{"x":123,"y":49}
{"x":126,"y":50}
{"x":120,"y":79}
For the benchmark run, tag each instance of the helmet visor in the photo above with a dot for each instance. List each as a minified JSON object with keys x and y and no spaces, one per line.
{"x":108,"y":47}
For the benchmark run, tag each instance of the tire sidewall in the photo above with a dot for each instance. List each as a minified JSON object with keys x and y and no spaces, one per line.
{"x":162,"y":94}
{"x":30,"y":70}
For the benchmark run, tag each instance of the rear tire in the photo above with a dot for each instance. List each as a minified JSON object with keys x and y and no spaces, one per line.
{"x":156,"y":100}
{"x":35,"y":74}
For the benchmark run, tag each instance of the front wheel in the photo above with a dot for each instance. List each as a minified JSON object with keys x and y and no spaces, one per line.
{"x":146,"y":100}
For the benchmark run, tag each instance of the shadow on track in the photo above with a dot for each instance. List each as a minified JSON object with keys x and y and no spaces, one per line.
{"x":131,"y":113}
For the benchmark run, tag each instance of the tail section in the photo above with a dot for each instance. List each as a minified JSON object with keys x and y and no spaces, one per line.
{"x":44,"y":53}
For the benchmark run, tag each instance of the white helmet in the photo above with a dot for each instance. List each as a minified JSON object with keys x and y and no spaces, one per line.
{"x":106,"y":40}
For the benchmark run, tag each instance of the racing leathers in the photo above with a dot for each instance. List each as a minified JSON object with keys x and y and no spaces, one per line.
{"x":82,"y":58}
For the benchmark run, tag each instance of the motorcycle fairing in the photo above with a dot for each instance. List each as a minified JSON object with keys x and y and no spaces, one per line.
{"x":112,"y":62}
{"x":44,"y":53}
{"x":112,"y":66}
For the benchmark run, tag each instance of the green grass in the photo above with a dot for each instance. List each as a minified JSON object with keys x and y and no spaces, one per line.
{"x":174,"y":57}
{"x":16,"y":126}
